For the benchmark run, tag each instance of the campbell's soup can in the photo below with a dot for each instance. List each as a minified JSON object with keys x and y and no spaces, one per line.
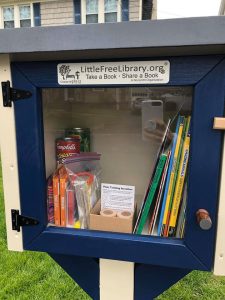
{"x":67,"y":147}
{"x":83,"y":134}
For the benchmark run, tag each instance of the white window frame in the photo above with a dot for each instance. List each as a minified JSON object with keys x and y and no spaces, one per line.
{"x":31,"y":14}
{"x":2,"y":14}
{"x":101,"y":11}
{"x":108,"y":12}
{"x":17,"y":13}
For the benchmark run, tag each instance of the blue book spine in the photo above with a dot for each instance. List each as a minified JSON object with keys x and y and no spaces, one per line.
{"x":168,"y":177}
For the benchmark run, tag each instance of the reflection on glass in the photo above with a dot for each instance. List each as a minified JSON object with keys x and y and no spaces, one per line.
{"x":25,"y":23}
{"x":110,"y":17}
{"x":8,"y":13}
{"x":92,"y":11}
{"x":91,"y":19}
{"x":110,"y":11}
{"x":8,"y":17}
{"x":24,"y":12}
{"x":25,"y":17}
{"x":128,"y":127}
{"x":110,"y":5}
{"x":92,"y":6}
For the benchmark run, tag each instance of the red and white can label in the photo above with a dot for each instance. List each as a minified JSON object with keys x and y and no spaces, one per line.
{"x":67,"y":147}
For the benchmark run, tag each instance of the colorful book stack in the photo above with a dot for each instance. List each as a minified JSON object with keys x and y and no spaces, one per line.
{"x":163,"y":210}
{"x":60,"y":186}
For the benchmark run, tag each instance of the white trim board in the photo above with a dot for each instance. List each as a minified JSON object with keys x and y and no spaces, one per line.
{"x":9,"y":160}
{"x":219,"y":260}
{"x":116,"y":280}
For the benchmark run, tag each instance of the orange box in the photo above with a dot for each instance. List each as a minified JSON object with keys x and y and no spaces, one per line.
{"x":62,"y":191}
{"x":113,"y":224}
{"x":63,"y":181}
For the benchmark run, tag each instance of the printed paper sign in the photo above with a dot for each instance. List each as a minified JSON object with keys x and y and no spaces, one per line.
{"x":117,"y":197}
{"x":102,"y":73}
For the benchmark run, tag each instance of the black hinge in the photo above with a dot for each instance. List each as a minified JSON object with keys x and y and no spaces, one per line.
{"x":18,"y":220}
{"x":9,"y":94}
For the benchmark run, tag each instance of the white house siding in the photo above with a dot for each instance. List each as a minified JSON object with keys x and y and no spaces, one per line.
{"x":222,"y":8}
{"x":57,"y":13}
{"x":135,"y":10}
{"x":154,"y":10}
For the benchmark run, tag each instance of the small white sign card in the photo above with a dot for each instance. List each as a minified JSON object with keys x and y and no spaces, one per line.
{"x":124,"y":72}
{"x":117,"y":197}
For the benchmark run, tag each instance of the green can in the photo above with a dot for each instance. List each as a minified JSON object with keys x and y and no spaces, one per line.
{"x":83,"y":134}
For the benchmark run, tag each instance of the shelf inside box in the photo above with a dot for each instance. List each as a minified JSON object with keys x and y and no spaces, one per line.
{"x":126,"y":126}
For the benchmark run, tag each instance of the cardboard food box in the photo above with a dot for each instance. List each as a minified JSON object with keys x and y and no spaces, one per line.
{"x":114,"y":224}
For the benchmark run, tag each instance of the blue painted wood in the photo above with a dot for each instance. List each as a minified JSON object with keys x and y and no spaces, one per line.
{"x":151,"y":281}
{"x":30,"y":151}
{"x":84,"y":270}
{"x":205,"y":155}
{"x":184,"y":70}
{"x":150,"y":250}
{"x":142,"y":249}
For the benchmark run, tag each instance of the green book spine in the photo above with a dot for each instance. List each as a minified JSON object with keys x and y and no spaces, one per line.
{"x":151,"y":194}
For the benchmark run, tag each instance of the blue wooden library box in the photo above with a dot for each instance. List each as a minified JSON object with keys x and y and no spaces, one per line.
{"x":39,"y":104}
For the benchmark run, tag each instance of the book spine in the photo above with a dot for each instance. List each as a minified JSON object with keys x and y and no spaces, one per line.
{"x":50,"y":201}
{"x":180,"y":182}
{"x":56,"y":200}
{"x":62,"y":193}
{"x":181,"y":214}
{"x":168,"y":178}
{"x":70,"y":196}
{"x":151,"y":193}
{"x":160,"y":150}
{"x":166,"y":230}
{"x":172,"y":175}
{"x":159,"y":196}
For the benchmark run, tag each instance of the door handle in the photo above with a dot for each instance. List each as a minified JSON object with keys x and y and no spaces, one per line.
{"x":219,"y":123}
{"x":203,"y":219}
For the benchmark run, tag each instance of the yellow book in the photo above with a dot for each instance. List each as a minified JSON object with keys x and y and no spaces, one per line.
{"x":180,"y":181}
{"x":173,"y":171}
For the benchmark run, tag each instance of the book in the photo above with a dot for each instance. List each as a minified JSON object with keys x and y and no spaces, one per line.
{"x":172,"y":175}
{"x":159,"y":196}
{"x":180,"y":181}
{"x":62,"y":192}
{"x":56,"y":199}
{"x":166,"y":227}
{"x":161,"y":148}
{"x":70,"y":201}
{"x":63,"y":182}
{"x":50,"y":201}
{"x":182,"y":214}
{"x":168,"y":177}
{"x":151,"y":193}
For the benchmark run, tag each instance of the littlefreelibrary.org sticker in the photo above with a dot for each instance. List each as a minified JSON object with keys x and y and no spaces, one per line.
{"x":117,"y":73}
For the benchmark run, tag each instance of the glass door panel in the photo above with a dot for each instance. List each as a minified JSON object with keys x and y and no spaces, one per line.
{"x":130,"y":128}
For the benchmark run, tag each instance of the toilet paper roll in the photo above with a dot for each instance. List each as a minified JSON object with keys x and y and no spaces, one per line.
{"x":108,"y":213}
{"x":125,"y":214}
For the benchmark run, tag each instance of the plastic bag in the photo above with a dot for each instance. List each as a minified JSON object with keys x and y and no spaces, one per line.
{"x":84,"y":187}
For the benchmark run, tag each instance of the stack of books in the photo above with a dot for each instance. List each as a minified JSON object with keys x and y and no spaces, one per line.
{"x":163,"y":209}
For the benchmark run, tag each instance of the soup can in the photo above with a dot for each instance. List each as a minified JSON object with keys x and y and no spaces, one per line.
{"x":83,"y":134}
{"x":67,"y":147}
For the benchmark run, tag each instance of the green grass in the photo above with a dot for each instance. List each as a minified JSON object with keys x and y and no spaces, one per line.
{"x":31,"y":275}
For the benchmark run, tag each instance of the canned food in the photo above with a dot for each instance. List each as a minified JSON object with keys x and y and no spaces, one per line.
{"x":83,"y":134}
{"x":67,"y":147}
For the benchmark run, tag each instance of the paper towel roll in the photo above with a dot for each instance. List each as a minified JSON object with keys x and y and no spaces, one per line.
{"x":125,"y":214}
{"x":108,"y":213}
